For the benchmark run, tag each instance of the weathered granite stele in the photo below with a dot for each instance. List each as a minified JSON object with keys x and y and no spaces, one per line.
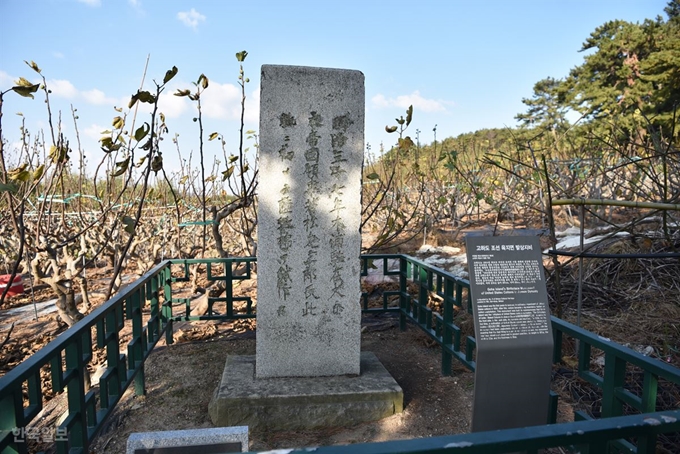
{"x":308,"y":370}
{"x":308,"y":289}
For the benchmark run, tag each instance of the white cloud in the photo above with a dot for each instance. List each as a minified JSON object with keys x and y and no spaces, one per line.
{"x":65,"y":89}
{"x":94,"y":131}
{"x":222,"y":101}
{"x":98,"y":98}
{"x":414,"y":99}
{"x":253,"y":108}
{"x":6,"y":80}
{"x":56,"y":54}
{"x":91,"y":2}
{"x":218,"y":102}
{"x":172,"y":106}
{"x":62,"y":88}
{"x":191,"y":18}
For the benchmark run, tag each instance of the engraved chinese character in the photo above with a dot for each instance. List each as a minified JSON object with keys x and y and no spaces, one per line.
{"x":342,"y":122}
{"x":287,"y":120}
{"x":309,"y":309}
{"x":283,"y":282}
{"x":338,"y":140}
{"x":315,"y":120}
{"x":310,"y":292}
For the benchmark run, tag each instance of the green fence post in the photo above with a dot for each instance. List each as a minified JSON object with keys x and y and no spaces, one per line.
{"x":112,"y":361}
{"x":557,"y":345}
{"x":447,"y":335}
{"x":646,"y":444}
{"x":422,"y":296}
{"x":649,"y":392}
{"x":167,"y":304}
{"x":614,"y":378}
{"x":229,"y":288}
{"x":136,"y":350}
{"x":153,"y":327}
{"x":403,"y":294}
{"x":11,"y":417}
{"x":76,"y":395}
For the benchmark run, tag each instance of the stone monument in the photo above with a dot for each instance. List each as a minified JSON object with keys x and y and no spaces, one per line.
{"x":308,"y":370}
{"x":311,"y":154}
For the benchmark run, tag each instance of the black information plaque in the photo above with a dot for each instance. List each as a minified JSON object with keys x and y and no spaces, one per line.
{"x":513,"y":332}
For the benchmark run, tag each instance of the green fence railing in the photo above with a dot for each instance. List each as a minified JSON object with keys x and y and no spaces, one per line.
{"x":584,"y":437}
{"x":67,"y":357}
{"x":125,"y":329}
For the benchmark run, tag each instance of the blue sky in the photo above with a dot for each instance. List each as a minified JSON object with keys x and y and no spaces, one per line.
{"x":464,"y":65}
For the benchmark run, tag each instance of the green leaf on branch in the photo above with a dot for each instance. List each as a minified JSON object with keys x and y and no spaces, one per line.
{"x":409,"y":115}
{"x":25,"y":88}
{"x":33,"y":65}
{"x":108,"y":146}
{"x":133,"y":101}
{"x":202,"y":81}
{"x":142,"y":131}
{"x":213,"y":136}
{"x":142,"y":96}
{"x":58,"y":155}
{"x":118,"y":123}
{"x":157,"y":163}
{"x":122,"y":167}
{"x":227,"y":173}
{"x":232,"y":159}
{"x":22,"y":82}
{"x":373,"y":176}
{"x":148,"y":144}
{"x":405,"y":144}
{"x":39,"y":172}
{"x":129,"y":223}
{"x":19,"y":173}
{"x":182,"y":92}
{"x":240,"y":56}
{"x":390,"y":129}
{"x":169,"y":74}
{"x":147,"y":97}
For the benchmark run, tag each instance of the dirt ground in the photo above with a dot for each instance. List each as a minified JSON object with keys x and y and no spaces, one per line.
{"x":181,"y":378}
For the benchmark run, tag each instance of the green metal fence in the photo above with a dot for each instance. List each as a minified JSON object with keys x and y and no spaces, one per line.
{"x":584,"y":437}
{"x":66,"y":358}
{"x":433,"y":299}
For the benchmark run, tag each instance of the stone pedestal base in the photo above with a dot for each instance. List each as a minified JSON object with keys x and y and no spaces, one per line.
{"x":303,"y":402}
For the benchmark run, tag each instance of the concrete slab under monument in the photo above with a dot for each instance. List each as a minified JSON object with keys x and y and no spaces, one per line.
{"x":293,"y":403}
